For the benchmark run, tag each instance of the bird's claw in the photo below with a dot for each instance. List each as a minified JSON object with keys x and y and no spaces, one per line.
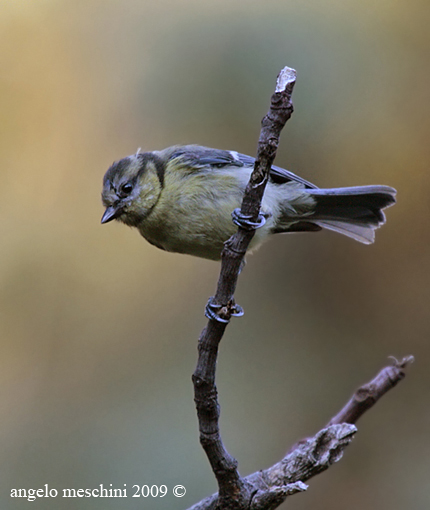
{"x":245,"y":221}
{"x":221,"y":313}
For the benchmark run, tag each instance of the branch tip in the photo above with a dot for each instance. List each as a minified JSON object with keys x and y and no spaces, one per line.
{"x":286,"y":77}
{"x":404,"y":363}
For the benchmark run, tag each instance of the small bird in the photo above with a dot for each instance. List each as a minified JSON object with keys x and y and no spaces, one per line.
{"x":181,"y":200}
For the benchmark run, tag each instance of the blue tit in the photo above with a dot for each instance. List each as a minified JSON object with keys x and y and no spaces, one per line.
{"x":181,"y":200}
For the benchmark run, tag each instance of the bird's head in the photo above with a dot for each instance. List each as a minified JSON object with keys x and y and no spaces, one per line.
{"x":132,"y":187}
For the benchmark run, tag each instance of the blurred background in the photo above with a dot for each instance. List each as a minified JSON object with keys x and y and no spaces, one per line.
{"x":99,"y":329}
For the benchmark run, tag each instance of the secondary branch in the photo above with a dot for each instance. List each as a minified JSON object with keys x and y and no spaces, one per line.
{"x":311,"y":456}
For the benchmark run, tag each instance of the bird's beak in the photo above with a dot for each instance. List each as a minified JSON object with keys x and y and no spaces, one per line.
{"x":111,"y":213}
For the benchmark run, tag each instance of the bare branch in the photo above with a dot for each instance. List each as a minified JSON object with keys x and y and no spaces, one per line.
{"x":281,"y":109}
{"x":368,"y":394}
{"x":266,"y":489}
{"x":234,"y":491}
{"x":270,"y":487}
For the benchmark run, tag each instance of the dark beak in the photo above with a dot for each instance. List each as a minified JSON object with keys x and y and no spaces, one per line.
{"x":111,"y":213}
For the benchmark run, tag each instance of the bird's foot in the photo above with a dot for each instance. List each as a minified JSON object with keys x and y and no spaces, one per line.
{"x":222,"y":313}
{"x":245,"y":221}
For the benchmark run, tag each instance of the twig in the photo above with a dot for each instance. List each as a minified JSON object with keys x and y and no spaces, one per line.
{"x":235,"y":492}
{"x":368,"y":394}
{"x":269,"y":488}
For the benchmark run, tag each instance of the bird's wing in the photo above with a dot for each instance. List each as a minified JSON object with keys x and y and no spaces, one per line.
{"x":196,"y":157}
{"x":277,"y":174}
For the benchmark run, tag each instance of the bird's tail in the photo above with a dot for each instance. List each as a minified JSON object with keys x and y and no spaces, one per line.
{"x":355,"y":212}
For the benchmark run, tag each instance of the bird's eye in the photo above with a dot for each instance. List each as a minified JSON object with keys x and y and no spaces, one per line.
{"x":126,"y":188}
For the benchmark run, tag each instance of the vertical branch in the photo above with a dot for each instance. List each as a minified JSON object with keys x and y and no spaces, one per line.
{"x":234,"y":491}
{"x":281,"y":109}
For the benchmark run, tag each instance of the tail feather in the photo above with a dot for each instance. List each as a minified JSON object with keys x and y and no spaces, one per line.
{"x":355,"y":212}
{"x":360,"y":233}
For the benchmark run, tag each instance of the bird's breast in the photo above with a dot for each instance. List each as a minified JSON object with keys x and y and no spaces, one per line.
{"x":193,"y":215}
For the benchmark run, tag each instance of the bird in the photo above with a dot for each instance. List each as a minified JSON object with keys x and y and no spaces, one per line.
{"x":181,"y":200}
